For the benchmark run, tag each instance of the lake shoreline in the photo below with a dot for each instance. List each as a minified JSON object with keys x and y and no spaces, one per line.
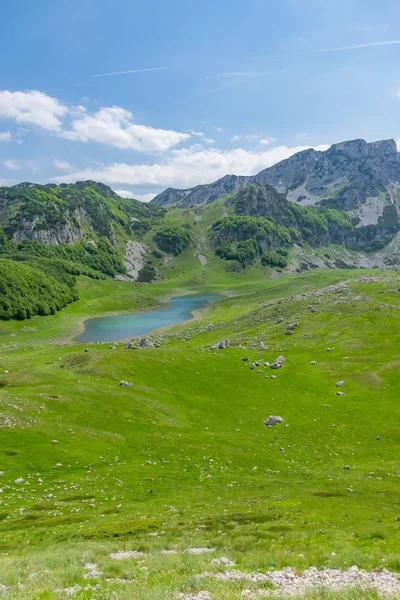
{"x":139,"y":323}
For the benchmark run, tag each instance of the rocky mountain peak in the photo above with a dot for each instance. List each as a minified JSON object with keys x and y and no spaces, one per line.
{"x":346,"y":176}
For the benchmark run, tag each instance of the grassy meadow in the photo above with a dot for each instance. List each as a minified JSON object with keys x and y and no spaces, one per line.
{"x":182,"y":459}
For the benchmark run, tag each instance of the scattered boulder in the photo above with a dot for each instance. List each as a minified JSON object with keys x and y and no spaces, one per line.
{"x":210,"y":327}
{"x":252,"y":366}
{"x":292,"y":326}
{"x":112,"y":347}
{"x":313,"y":362}
{"x":278,"y":363}
{"x":339,"y":384}
{"x":271,"y":421}
{"x":273,"y":377}
{"x":221,"y":345}
{"x":378,"y":437}
{"x":125,"y":383}
{"x":279,"y":320}
{"x":346,"y":467}
{"x":245,"y":358}
{"x":145,"y":343}
{"x":289,"y":332}
{"x":263,"y":346}
{"x":340,"y":394}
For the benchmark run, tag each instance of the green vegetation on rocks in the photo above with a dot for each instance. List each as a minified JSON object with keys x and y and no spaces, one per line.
{"x":244,"y":237}
{"x":173,"y":240}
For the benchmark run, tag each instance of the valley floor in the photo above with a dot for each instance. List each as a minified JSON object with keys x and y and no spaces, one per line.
{"x":178,"y":470}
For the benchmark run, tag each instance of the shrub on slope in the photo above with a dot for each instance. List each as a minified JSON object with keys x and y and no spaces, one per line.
{"x":26,"y":291}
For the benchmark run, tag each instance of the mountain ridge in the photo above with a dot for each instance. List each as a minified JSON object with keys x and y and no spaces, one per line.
{"x":348,"y":176}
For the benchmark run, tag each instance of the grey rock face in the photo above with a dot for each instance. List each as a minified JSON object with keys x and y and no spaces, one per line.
{"x":60,"y":234}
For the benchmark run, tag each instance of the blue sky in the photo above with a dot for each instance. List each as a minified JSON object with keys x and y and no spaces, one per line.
{"x":233,"y":87}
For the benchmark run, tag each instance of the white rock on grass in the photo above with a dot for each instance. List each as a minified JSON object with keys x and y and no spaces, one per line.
{"x":124,"y":554}
{"x":199,"y":550}
{"x":271,"y":421}
{"x":223,"y":561}
{"x":195,"y":596}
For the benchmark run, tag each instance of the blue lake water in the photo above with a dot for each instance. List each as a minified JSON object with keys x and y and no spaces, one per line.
{"x":120,"y":327}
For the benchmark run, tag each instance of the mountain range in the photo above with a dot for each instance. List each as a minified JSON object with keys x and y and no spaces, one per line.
{"x":354,"y":176}
{"x":332,"y":209}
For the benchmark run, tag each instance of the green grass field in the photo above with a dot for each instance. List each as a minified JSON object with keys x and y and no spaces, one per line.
{"x":182,"y":459}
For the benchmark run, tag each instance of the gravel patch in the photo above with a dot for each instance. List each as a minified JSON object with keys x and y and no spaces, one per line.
{"x":295,"y":583}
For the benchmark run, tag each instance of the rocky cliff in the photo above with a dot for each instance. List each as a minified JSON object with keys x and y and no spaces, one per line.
{"x":54,"y":214}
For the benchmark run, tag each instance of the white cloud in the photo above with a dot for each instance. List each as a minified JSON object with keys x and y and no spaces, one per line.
{"x":398,"y":145}
{"x":134,"y":196}
{"x":114,"y":126}
{"x":125,"y":194}
{"x":12,"y":165}
{"x":145,"y":197}
{"x":5,"y":136}
{"x":267,"y":141}
{"x":33,"y":108}
{"x":187,"y":167}
{"x":219,"y":129}
{"x":198,"y":133}
{"x":64,"y":165}
{"x":252,"y":137}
